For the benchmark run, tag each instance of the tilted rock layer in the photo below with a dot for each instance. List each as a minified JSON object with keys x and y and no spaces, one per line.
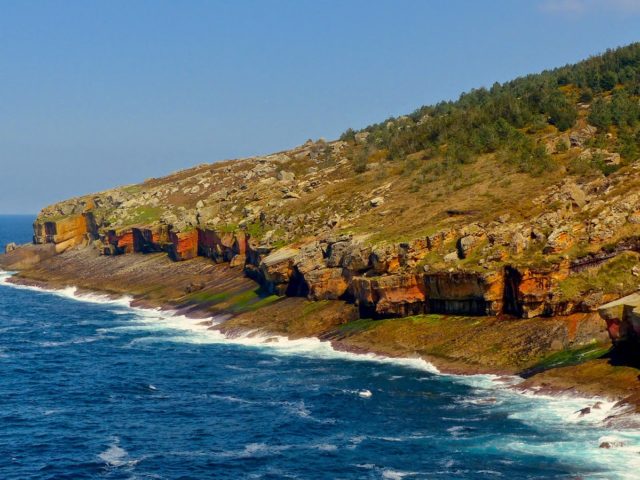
{"x":301,"y":225}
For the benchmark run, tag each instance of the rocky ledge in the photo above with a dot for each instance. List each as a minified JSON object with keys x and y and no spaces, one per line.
{"x":559,"y":353}
{"x":537,"y":259}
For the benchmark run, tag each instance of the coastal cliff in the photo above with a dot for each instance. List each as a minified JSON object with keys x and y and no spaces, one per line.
{"x":395,"y":238}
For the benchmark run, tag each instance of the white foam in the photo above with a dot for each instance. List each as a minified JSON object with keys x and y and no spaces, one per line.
{"x":543,"y":412}
{"x":390,"y":474}
{"x":116,"y":456}
{"x":67,"y":292}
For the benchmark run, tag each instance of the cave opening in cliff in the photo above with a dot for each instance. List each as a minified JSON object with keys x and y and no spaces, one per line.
{"x":470,"y":306}
{"x":512,"y":279}
{"x":298,"y":286}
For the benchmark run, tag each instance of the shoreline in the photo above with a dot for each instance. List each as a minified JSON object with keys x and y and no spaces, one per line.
{"x":623,"y":415}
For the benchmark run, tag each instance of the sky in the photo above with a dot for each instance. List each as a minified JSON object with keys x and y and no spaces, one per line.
{"x":96,"y":94}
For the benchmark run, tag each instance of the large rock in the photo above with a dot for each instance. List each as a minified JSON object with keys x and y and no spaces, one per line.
{"x":528,"y":292}
{"x":623,"y":318}
{"x":579,"y":137}
{"x":356,"y":258}
{"x":326,"y":283}
{"x":390,"y":295}
{"x":559,"y":240}
{"x":465,"y":293}
{"x":184,"y":245}
{"x":26,"y":256}
{"x":66,"y":232}
{"x":277,"y":269}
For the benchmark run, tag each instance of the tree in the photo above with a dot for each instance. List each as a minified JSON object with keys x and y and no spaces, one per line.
{"x":608,"y":80}
{"x":600,"y":114}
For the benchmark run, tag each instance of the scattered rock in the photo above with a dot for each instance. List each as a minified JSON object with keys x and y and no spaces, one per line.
{"x":451,"y":257}
{"x":376,"y":201}
{"x":285,"y":176}
{"x":583,"y":411}
{"x":558,"y":241}
{"x":579,"y":137}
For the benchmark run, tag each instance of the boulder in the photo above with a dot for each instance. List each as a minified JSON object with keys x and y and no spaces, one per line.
{"x":519,"y":243}
{"x":390,"y":295}
{"x":577,"y":138}
{"x":336,"y":252}
{"x":356,"y":258}
{"x":309,"y":257}
{"x":184,"y":245}
{"x":277,"y":269}
{"x":326,"y":283}
{"x":376,"y":201}
{"x":559,"y":240}
{"x":466,"y":244}
{"x":623,"y":318}
{"x":285,"y":176}
{"x":26,"y":256}
{"x":66,"y":232}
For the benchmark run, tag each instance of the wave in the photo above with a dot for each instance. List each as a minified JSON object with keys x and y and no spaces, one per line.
{"x":619,"y":457}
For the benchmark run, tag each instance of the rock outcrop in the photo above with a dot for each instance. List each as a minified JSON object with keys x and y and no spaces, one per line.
{"x":65,"y":232}
{"x":623,"y":319}
{"x":305,"y":223}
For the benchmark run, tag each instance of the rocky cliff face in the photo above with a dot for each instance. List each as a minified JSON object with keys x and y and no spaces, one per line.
{"x":399,"y":224}
{"x":501,"y":265}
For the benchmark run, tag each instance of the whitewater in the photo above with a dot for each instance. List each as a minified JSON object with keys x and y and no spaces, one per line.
{"x":548,"y":438}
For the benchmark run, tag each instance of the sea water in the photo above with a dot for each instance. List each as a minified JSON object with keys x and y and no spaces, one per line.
{"x":93,"y":388}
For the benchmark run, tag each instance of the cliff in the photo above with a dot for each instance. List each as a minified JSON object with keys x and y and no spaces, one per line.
{"x":544,"y":257}
{"x":461,"y":210}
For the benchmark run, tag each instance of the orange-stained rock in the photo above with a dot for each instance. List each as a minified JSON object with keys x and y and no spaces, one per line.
{"x":465,"y":293}
{"x":390,"y":295}
{"x":559,"y":241}
{"x":126,"y":242}
{"x":529,"y":292}
{"x":276,"y":270}
{"x":238,"y":261}
{"x":184,"y":245}
{"x":159,"y":236}
{"x":326,"y":283}
{"x":240,"y":242}
{"x":221,"y":246}
{"x":66,"y":232}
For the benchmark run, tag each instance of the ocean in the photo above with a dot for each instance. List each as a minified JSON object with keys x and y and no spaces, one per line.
{"x":93,"y":388}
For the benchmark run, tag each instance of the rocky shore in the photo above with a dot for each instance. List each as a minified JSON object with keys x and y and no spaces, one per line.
{"x":509,"y":245}
{"x":561,"y":354}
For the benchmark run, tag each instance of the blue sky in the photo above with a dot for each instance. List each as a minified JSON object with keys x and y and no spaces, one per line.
{"x":95,"y":94}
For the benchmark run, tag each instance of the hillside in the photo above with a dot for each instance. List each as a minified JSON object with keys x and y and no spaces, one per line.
{"x":518,"y":200}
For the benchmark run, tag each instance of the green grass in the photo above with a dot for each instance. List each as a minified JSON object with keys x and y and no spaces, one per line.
{"x":255,"y":230}
{"x":209,"y":297}
{"x":614,"y":276}
{"x":132,"y":189}
{"x":250,"y":300}
{"x":429,"y":319}
{"x":145,"y":215}
{"x":569,"y":357}
{"x":313,"y":307}
{"x":359,"y":325}
{"x":227,"y":228}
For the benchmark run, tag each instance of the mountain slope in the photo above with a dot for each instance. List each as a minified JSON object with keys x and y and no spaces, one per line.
{"x":521,"y":199}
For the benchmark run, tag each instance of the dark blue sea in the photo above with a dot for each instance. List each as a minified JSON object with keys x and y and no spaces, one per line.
{"x":91,"y":388}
